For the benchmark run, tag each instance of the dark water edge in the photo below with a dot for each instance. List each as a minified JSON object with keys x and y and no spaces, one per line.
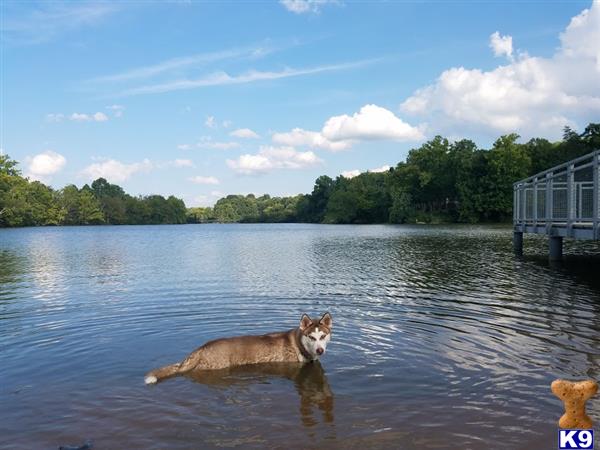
{"x":442,"y":337}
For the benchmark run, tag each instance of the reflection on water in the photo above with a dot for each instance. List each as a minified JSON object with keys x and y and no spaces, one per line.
{"x":309,"y":380}
{"x":443,"y":338}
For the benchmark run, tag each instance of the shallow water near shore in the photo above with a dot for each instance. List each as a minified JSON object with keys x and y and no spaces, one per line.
{"x":442,"y":338}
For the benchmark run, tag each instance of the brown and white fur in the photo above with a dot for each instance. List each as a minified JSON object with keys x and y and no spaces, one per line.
{"x":303,"y":344}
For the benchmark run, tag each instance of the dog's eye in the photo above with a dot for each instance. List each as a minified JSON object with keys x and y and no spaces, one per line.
{"x":312,"y":337}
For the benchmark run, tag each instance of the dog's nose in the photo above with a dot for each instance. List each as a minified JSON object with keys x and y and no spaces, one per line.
{"x":320,"y":351}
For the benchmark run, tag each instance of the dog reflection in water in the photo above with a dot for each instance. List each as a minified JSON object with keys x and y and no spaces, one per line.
{"x":309,"y":379}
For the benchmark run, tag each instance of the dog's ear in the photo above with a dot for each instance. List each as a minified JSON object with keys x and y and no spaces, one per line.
{"x":326,"y":320}
{"x":305,"y":322}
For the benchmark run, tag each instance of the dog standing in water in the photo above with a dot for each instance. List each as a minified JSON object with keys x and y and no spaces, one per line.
{"x":303,"y":344}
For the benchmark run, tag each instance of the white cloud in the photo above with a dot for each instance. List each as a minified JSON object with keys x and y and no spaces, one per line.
{"x":203,"y":180}
{"x":227,"y":123}
{"x":244,"y":133}
{"x":381,"y":169}
{"x":182,"y":163}
{"x":179,"y":63}
{"x":533,"y":96}
{"x":206,"y":200}
{"x":41,"y":23}
{"x":223,"y":78}
{"x":96,"y":117}
{"x":55,"y":117}
{"x":314,"y":139}
{"x":77,"y":117}
{"x":305,"y":6}
{"x":210,"y":122}
{"x":351,"y":173}
{"x":356,"y":172}
{"x":207,"y":142}
{"x":100,"y":117}
{"x":502,"y":45}
{"x":372,"y":122}
{"x":115,"y":171}
{"x":272,"y":158}
{"x":43,"y":165}
{"x":117,"y":110}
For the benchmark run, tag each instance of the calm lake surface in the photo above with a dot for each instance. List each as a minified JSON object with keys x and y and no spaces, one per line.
{"x":442,"y":338}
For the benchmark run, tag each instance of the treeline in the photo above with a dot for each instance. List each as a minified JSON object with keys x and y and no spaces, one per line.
{"x":29,"y":203}
{"x":441,"y":181}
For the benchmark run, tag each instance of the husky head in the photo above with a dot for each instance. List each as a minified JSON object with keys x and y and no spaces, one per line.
{"x":315,"y":334}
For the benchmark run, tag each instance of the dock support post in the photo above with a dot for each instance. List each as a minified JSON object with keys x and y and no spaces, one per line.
{"x":556,"y":248}
{"x":518,"y":242}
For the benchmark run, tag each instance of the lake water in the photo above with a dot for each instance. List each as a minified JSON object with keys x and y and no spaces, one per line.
{"x":442,"y":338}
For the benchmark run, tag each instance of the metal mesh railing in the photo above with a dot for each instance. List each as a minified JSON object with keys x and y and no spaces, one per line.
{"x":566,"y":195}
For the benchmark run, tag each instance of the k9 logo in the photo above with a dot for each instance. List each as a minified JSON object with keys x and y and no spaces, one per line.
{"x":568,"y":439}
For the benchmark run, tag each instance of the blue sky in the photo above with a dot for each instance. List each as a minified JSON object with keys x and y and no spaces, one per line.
{"x":204,"y":99}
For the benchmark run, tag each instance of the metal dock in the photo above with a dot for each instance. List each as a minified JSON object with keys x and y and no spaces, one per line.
{"x":563,"y":201}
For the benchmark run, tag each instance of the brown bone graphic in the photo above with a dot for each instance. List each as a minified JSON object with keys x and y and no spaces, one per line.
{"x":574,"y":395}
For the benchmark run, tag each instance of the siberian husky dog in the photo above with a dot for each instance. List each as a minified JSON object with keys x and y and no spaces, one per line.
{"x":303,"y":344}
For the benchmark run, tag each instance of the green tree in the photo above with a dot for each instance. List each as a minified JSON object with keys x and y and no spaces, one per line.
{"x":89,"y":209}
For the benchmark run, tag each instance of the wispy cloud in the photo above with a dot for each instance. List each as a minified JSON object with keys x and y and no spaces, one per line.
{"x":50,"y":19}
{"x":78,"y":117}
{"x":199,"y":179}
{"x":207,"y":142}
{"x":223,"y":78}
{"x":181,"y":63}
{"x":97,"y":117}
{"x":305,"y":6}
{"x":117,"y":110}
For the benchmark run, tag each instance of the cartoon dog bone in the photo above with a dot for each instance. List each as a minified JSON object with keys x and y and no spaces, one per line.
{"x":574,"y":395}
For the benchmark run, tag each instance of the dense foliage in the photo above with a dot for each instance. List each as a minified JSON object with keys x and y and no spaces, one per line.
{"x":26,"y":203}
{"x":441,"y":181}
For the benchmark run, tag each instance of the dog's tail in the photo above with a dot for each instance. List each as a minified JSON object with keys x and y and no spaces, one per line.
{"x":156,"y":375}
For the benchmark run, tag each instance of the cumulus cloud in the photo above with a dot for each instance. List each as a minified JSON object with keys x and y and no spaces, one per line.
{"x":372,"y":122}
{"x":314,"y":139}
{"x":42,"y":166}
{"x":381,"y":169}
{"x":533,"y":96}
{"x":502,"y":45}
{"x":203,"y":180}
{"x":115,"y":171}
{"x":356,"y":172}
{"x":305,"y":6}
{"x":271,"y":158}
{"x":244,"y":133}
{"x":351,"y":173}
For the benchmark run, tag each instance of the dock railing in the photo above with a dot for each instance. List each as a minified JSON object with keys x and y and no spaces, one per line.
{"x":562,"y":201}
